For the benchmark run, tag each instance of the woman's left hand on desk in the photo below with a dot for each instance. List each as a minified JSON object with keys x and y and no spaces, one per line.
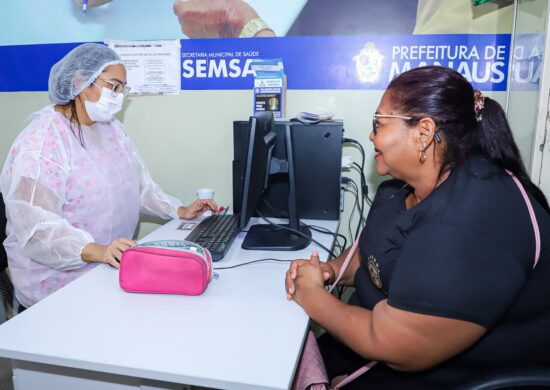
{"x":108,"y":254}
{"x":197,"y":208}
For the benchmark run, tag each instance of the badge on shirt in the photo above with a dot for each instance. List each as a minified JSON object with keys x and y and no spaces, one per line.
{"x":374,"y":271}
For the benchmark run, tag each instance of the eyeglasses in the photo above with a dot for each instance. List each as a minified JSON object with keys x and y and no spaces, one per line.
{"x":117,"y":88}
{"x":375,"y":117}
{"x":375,"y":122}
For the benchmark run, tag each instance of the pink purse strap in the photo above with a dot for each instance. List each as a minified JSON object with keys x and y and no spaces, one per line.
{"x":345,"y":264}
{"x":531,"y":214}
{"x":353,"y":249}
{"x":371,"y":364}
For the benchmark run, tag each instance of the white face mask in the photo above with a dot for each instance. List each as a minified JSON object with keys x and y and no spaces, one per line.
{"x":106,"y":107}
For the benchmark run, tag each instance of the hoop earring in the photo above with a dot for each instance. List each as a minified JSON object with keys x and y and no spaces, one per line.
{"x":422,"y":156}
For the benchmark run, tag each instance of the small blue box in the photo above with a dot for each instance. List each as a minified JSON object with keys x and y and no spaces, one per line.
{"x":269,"y":86}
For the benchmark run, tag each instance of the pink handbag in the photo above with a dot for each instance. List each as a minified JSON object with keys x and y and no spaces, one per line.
{"x":311,"y":373}
{"x":166,"y":267}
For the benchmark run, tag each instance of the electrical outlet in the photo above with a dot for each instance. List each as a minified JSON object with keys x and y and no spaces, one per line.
{"x":347,"y":162}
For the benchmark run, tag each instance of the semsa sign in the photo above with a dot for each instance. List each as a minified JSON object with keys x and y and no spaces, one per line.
{"x":345,"y":62}
{"x":216,"y":68}
{"x":321,"y":62}
{"x":218,"y":64}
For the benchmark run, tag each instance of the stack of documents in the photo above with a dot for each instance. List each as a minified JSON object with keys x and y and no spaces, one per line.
{"x":311,"y":118}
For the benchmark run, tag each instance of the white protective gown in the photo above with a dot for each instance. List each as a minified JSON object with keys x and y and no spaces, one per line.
{"x":60,"y":196}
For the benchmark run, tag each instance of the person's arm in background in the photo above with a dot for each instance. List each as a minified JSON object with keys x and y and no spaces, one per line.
{"x":218,"y":19}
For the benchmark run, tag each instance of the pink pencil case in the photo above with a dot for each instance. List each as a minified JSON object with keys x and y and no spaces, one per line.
{"x":166,"y":267}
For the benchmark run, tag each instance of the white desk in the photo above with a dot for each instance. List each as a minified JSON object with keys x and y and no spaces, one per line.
{"x":242,"y":333}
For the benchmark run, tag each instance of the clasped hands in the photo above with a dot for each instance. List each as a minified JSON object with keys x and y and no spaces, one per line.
{"x":306,"y":276}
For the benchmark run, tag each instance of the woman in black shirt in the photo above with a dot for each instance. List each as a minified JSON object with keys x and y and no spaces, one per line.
{"x":445,"y":280}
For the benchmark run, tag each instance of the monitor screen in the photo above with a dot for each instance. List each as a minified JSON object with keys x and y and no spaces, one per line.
{"x":260,"y":146}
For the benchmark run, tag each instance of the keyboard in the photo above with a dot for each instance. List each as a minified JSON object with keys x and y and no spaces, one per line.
{"x":216,"y":233}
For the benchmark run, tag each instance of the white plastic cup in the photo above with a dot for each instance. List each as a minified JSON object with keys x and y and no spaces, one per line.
{"x":205,"y":193}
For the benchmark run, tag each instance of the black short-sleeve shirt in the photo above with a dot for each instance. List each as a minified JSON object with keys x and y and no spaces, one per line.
{"x":465,"y":252}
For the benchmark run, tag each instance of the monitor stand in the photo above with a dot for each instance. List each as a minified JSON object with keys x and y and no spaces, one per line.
{"x":275,"y":238}
{"x":269,"y":237}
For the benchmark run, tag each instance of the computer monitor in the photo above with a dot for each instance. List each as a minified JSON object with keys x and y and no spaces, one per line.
{"x":259,"y":165}
{"x":258,"y":160}
{"x":317,"y":157}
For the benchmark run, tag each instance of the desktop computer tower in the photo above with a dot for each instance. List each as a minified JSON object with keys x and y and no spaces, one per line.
{"x":317,"y":153}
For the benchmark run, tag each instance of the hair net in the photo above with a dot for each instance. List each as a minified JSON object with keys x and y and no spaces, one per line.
{"x":77,"y":70}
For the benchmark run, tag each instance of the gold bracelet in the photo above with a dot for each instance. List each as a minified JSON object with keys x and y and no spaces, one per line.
{"x":253,"y":27}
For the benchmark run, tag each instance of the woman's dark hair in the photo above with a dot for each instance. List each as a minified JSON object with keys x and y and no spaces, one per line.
{"x":73,"y":120}
{"x":446,"y":96}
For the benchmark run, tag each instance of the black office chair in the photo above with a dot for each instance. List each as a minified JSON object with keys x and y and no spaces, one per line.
{"x":6,"y":286}
{"x":515,"y":378}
